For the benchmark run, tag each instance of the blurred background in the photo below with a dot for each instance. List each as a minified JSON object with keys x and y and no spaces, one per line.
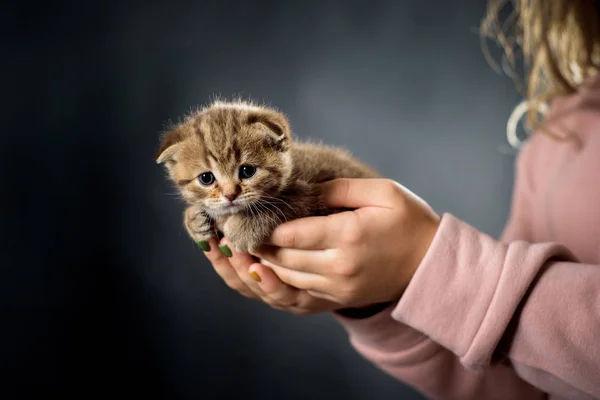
{"x":101,"y":291}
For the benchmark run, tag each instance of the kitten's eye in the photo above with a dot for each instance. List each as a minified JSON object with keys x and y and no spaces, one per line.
{"x":247,"y":171}
{"x":206,"y":179}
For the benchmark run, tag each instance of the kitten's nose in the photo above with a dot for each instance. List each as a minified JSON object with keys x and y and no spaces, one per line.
{"x":230,"y":196}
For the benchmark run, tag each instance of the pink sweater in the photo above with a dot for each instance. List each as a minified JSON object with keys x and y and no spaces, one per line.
{"x":517,"y":318}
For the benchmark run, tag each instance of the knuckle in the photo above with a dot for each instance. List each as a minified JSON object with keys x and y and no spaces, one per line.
{"x":237,"y":265}
{"x":270,"y":291}
{"x":270,"y":302}
{"x":211,"y":259}
{"x":280,"y":307}
{"x":288,"y":239}
{"x":395,"y":191}
{"x":216,"y":261}
{"x":300,"y":311}
{"x":287,"y":303}
{"x":283,"y":299}
{"x":390,"y":188}
{"x":247,"y":294}
{"x":347,"y":295}
{"x":344,"y":190}
{"x":352,"y":234}
{"x":345,"y":269}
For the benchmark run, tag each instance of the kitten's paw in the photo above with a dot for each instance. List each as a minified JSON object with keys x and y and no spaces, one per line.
{"x":240,"y":239}
{"x":243,"y":244}
{"x":198,"y":225}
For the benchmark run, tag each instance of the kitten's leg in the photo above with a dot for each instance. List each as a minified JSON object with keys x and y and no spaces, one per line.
{"x":198,"y":224}
{"x":246,"y":232}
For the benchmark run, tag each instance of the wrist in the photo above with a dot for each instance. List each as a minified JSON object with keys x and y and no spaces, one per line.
{"x":363,"y":312}
{"x":428,"y":233}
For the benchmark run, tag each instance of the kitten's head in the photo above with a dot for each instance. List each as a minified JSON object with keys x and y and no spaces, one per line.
{"x":228,"y":156}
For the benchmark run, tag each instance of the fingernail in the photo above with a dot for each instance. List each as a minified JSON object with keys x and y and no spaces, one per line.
{"x":203,"y":245}
{"x":255,"y":276}
{"x":225,"y":250}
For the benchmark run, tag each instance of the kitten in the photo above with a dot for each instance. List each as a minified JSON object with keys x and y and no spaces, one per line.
{"x":237,"y":167}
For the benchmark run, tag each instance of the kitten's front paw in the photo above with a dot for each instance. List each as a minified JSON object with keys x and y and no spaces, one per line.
{"x":240,"y":239}
{"x":198,"y":225}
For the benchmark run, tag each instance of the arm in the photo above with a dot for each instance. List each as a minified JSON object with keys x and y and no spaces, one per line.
{"x":411,"y":357}
{"x":526,"y":303}
{"x":492,"y":301}
{"x":531,"y":305}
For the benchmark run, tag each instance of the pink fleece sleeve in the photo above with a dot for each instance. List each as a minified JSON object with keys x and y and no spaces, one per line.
{"x":485,"y":319}
{"x":542,"y":310}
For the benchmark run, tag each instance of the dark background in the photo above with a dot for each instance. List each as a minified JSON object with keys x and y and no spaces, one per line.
{"x":101,"y":291}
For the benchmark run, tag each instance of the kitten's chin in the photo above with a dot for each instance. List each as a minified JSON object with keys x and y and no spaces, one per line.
{"x":224,"y":210}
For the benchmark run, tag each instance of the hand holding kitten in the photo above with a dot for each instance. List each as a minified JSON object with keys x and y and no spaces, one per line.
{"x":242,"y":175}
{"x":355,"y":258}
{"x":271,"y":290}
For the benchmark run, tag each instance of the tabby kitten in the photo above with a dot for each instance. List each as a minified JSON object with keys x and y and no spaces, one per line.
{"x":237,"y":167}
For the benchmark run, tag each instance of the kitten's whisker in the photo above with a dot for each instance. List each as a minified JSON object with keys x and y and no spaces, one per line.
{"x":262,"y":214}
{"x":272,"y":202}
{"x":266,"y":213}
{"x":269,"y":197}
{"x":281,"y":201}
{"x":257,"y":200}
{"x":266,"y":203}
{"x":259,"y":213}
{"x":272,"y":206}
{"x":174,"y":195}
{"x":251,"y":209}
{"x":285,"y":218}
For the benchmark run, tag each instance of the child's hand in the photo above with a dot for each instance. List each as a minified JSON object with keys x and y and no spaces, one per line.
{"x":240,"y":272}
{"x":359,"y":257}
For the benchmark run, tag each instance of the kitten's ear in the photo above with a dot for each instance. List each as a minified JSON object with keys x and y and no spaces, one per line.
{"x":169,"y":146}
{"x":277,"y":126}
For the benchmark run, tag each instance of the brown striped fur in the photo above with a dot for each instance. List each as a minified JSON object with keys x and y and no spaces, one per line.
{"x":226,"y":135}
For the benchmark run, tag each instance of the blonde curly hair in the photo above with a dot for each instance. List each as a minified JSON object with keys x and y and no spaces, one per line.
{"x":550,"y":47}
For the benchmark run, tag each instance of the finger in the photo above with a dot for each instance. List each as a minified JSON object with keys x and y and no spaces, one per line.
{"x":225,"y":270}
{"x":315,"y":233}
{"x":309,"y":261}
{"x":291,"y":299}
{"x":300,"y":280}
{"x":305,"y":233}
{"x":321,"y":296}
{"x":269,"y":282}
{"x":282,"y":294}
{"x":241,"y":263}
{"x":357,"y":193}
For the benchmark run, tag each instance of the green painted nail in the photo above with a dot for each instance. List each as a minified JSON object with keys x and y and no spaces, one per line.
{"x":204,"y":246}
{"x":225,"y":250}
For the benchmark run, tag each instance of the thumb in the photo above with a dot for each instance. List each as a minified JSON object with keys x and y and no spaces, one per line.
{"x":356,"y":193}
